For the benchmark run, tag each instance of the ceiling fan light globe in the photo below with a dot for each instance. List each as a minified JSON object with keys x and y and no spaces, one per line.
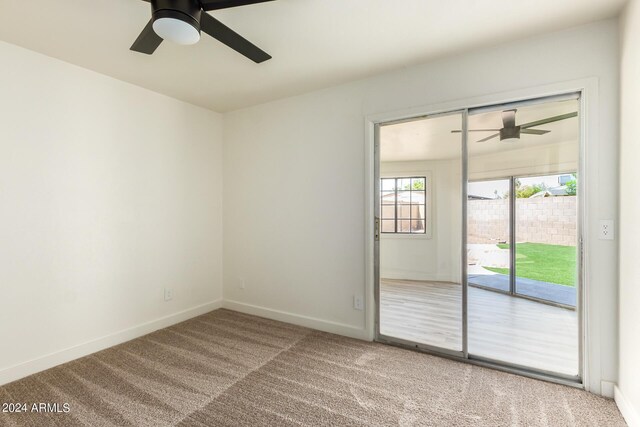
{"x":176,"y":30}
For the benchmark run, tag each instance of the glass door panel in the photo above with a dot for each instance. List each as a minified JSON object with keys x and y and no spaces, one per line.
{"x":420,"y":210}
{"x":522,"y":287}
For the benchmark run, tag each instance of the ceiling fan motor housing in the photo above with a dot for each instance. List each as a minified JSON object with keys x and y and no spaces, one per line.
{"x":188,"y":11}
{"x":510,"y":133}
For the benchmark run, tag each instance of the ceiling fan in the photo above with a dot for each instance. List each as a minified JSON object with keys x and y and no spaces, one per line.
{"x":511,"y":133}
{"x":181,"y":21}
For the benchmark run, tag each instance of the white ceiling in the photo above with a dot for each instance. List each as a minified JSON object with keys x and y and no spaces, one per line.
{"x":432,"y":139}
{"x":314,"y":43}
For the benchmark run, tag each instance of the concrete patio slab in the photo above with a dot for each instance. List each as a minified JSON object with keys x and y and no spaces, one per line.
{"x":559,"y":294}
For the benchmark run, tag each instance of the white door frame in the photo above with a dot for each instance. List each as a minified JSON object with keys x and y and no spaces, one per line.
{"x":590,"y":333}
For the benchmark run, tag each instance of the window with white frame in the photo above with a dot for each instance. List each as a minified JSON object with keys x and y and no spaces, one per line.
{"x":403,"y":205}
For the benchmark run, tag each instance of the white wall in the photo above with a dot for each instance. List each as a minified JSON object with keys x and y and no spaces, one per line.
{"x":436,"y":255}
{"x":108,"y":194}
{"x":295,"y":181}
{"x":629,"y":382}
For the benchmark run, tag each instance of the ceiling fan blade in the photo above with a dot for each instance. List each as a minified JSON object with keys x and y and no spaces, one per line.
{"x":477,"y":130}
{"x":235,"y":41}
{"x":509,"y":118}
{"x":549,"y":120}
{"x":534,"y":131}
{"x":489,"y":137}
{"x":224,"y":4}
{"x":148,"y":41}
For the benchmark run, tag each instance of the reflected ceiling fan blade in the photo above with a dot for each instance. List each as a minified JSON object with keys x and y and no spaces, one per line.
{"x":489,"y":137}
{"x":224,"y":4}
{"x":534,"y":131}
{"x":148,"y":41}
{"x":477,"y":130}
{"x":235,"y":41}
{"x":509,"y":118}
{"x":549,"y":120}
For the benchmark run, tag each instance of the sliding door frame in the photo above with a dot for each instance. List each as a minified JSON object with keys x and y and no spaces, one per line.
{"x":373,"y":128}
{"x":387,"y":339}
{"x":512,"y":236}
{"x":569,"y":95}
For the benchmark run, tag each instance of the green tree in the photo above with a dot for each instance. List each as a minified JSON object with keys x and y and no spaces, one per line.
{"x":417,"y":185}
{"x":572,"y":186}
{"x":526,"y":191}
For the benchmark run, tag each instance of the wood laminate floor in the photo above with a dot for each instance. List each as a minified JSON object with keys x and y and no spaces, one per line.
{"x":501,"y":327}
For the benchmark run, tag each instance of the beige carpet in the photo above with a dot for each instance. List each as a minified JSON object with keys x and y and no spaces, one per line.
{"x":226,"y":368}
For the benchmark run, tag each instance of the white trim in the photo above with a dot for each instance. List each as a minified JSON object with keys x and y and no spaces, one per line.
{"x":629,"y":413}
{"x":607,"y":388}
{"x":369,"y":228}
{"x":298,"y":319}
{"x":589,"y":131}
{"x":402,"y":236}
{"x":399,"y":274}
{"x":48,"y":361}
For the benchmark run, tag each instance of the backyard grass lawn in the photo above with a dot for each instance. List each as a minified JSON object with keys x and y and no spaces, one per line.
{"x":547,"y":263}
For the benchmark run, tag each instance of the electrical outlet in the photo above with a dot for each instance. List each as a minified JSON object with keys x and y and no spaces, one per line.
{"x":606,"y":229}
{"x":168,"y":294}
{"x":241,"y":284}
{"x":358,"y":302}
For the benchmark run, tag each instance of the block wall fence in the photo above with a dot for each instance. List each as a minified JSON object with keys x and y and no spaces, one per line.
{"x":551,"y":220}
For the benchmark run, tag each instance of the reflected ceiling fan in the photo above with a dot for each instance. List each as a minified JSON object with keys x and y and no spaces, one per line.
{"x":181,"y":21}
{"x":511,"y":133}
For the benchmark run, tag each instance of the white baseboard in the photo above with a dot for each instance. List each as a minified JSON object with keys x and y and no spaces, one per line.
{"x":607,"y":388}
{"x":630,"y":414}
{"x":297,"y":319}
{"x":414,"y":275}
{"x":33,"y":366}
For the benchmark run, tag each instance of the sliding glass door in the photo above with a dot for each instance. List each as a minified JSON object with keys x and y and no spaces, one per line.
{"x":477,"y":244}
